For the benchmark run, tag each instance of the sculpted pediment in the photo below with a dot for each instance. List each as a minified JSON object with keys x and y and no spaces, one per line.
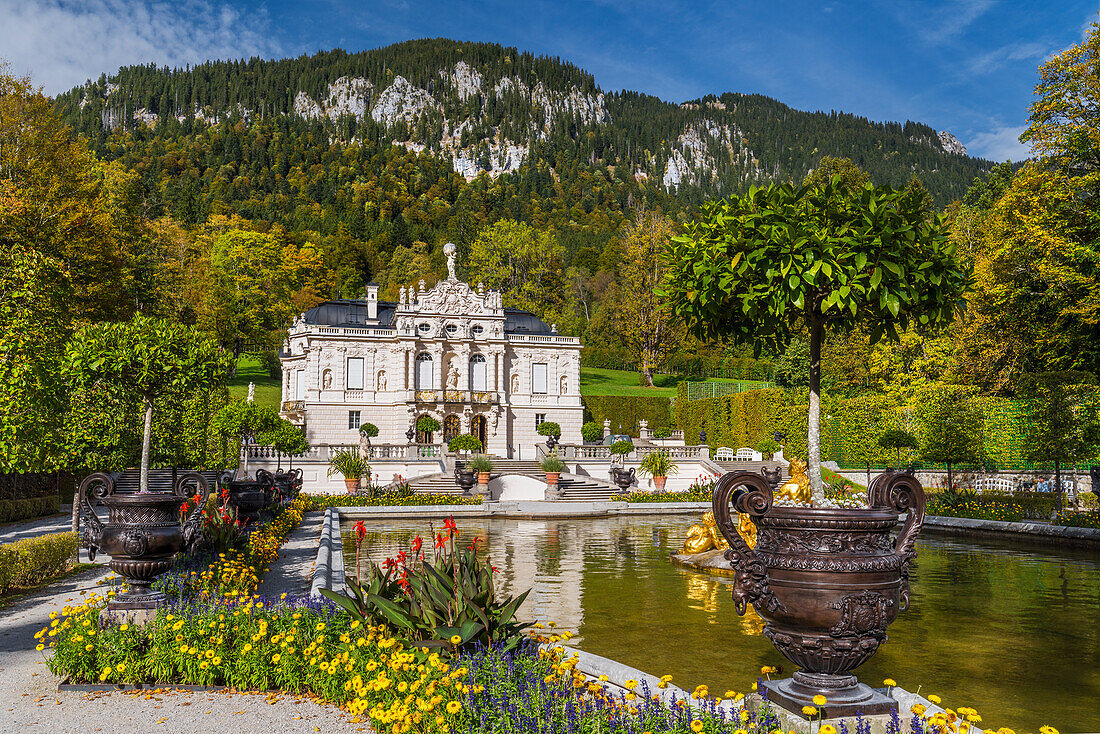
{"x":455,"y":298}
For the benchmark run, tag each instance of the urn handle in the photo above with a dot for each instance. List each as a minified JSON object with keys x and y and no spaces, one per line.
{"x":750,"y":493}
{"x":901,"y":493}
{"x":193,"y":485}
{"x":93,"y":490}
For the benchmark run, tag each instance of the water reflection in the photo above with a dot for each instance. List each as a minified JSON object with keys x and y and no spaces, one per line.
{"x":1009,"y":630}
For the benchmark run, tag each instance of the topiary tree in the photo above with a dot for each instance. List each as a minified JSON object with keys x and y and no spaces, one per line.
{"x":285,"y":438}
{"x":592,"y":431}
{"x":898,"y":439}
{"x":245,"y":421}
{"x":763,"y":267}
{"x":464,"y":442}
{"x":548,"y":428}
{"x":1062,"y":423}
{"x":145,"y":358}
{"x":427,"y":425}
{"x":767,"y":447}
{"x":952,"y":431}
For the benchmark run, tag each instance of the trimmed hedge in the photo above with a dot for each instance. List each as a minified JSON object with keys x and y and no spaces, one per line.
{"x":627,"y":410}
{"x":324,"y":501}
{"x":12,"y":510}
{"x":31,"y":561}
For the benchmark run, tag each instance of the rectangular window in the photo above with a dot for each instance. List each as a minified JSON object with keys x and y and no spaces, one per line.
{"x":540,"y":418}
{"x":355,"y":373}
{"x":299,"y":384}
{"x":538,"y":378}
{"x":353,"y":419}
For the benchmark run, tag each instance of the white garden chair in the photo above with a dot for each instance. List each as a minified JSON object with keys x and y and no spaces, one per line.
{"x":747,"y":454}
{"x":724,"y":453}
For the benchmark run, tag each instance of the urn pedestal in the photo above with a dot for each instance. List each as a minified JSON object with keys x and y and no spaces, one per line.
{"x":142,"y":534}
{"x":827,"y":582}
{"x":465,"y":479}
{"x":623,"y":478}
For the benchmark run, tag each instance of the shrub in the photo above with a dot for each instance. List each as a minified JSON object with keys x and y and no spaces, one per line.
{"x":448,"y":602}
{"x":1088,"y":500}
{"x":427,"y":424}
{"x":323,"y":501}
{"x":31,"y":561}
{"x":465,"y":442}
{"x":23,"y":509}
{"x":349,"y":463}
{"x":658,"y":464}
{"x":767,"y":447}
{"x":1005,"y":507}
{"x":552,"y":463}
{"x":622,"y":448}
{"x":1078,"y":519}
{"x":627,"y":410}
{"x":369,"y":430}
{"x":592,"y":431}
{"x":549,"y":428}
{"x":480,"y":464}
{"x":662,"y":432}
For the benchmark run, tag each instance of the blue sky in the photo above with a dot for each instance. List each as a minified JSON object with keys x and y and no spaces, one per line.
{"x":966,"y":66}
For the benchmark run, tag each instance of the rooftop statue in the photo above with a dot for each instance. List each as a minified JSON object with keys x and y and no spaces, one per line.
{"x":450,"y":250}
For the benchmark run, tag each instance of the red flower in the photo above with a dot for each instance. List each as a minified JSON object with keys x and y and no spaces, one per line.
{"x":404,"y":580}
{"x":495,"y":569}
{"x":388,"y":563}
{"x":439,"y":542}
{"x":449,"y":525}
{"x":473,"y":545}
{"x":416,"y":544}
{"x":401,"y":558}
{"x":360,"y":531}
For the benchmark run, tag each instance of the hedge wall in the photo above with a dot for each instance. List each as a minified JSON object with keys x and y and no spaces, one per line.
{"x":31,"y":561}
{"x":627,"y":410}
{"x":12,"y":510}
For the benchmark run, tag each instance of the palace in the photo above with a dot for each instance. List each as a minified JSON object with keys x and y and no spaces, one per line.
{"x":452,"y":352}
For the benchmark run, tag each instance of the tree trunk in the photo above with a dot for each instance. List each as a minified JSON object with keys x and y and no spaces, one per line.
{"x":1058,"y":483}
{"x":813,"y":439}
{"x":950,"y":484}
{"x":647,"y":372}
{"x":242,"y":472}
{"x":146,"y":445}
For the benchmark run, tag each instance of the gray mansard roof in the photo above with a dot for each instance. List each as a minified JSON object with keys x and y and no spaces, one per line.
{"x":354,"y":313}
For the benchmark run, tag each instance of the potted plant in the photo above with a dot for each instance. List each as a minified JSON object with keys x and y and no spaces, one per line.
{"x":660,"y":466}
{"x":464,"y":442}
{"x":349,"y":464}
{"x":552,"y":466}
{"x":552,"y":431}
{"x":465,"y":477}
{"x":592,"y":432}
{"x":481,"y":464}
{"x":622,"y":477}
{"x":759,"y":269}
{"x":767,"y":447}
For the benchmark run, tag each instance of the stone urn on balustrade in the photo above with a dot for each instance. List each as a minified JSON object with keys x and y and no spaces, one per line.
{"x":827,"y":582}
{"x":143,"y":533}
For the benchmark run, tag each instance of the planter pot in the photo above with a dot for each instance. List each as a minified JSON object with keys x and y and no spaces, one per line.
{"x":552,"y":477}
{"x":483,"y":478}
{"x":466,"y":480}
{"x":250,"y":497}
{"x":826,"y":582}
{"x":143,"y":532}
{"x":659,"y":483}
{"x":352,"y":485}
{"x":623,"y":478}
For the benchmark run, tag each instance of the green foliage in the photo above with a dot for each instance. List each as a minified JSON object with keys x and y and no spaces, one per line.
{"x":368,"y":429}
{"x":1062,"y":424}
{"x":1070,"y":519}
{"x":324,"y":501}
{"x":952,"y":432}
{"x":767,"y":446}
{"x":658,"y":464}
{"x":31,"y":561}
{"x":993,"y":506}
{"x":592,"y":431}
{"x":31,"y":507}
{"x":243,"y":420}
{"x":622,"y":448}
{"x":34,"y":325}
{"x":427,"y":424}
{"x":548,"y":428}
{"x":480,"y":463}
{"x":1088,"y":501}
{"x":662,"y":432}
{"x":348,"y":463}
{"x":552,"y":463}
{"x":624,"y":412}
{"x":286,"y":438}
{"x":465,"y":442}
{"x":431,"y":603}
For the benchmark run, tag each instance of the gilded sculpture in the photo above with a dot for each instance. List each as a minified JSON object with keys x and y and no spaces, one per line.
{"x":797,"y":487}
{"x":704,"y":536}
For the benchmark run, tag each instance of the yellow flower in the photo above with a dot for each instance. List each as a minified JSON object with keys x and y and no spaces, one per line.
{"x":120,"y":667}
{"x":603,"y":678}
{"x":40,"y":648}
{"x":827,"y":729}
{"x":454,"y":707}
{"x":889,"y":682}
{"x":820,"y":700}
{"x":124,"y":627}
{"x":87,"y":648}
{"x":934,"y":698}
{"x":630,"y":684}
{"x":455,"y":639}
{"x":696,"y":725}
{"x":918,"y":709}
{"x":1044,"y":729}
{"x":809,"y":710}
{"x":976,"y":719}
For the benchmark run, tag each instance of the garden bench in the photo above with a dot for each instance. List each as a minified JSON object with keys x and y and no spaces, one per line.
{"x":724,"y":453}
{"x":747,"y":454}
{"x":994,"y":484}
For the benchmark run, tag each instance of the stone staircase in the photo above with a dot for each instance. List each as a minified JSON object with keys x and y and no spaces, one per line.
{"x":573,"y":488}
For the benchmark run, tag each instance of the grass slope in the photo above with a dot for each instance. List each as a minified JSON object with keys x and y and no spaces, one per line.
{"x":268,"y":389}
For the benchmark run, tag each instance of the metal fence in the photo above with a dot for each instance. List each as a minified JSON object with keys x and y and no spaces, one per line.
{"x":700,"y":390}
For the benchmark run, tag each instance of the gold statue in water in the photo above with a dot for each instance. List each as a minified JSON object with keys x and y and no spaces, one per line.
{"x":797,"y":488}
{"x":746,"y":528}
{"x":704,"y":536}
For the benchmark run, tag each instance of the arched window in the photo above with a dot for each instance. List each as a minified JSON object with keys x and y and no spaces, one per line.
{"x":478,"y":379}
{"x":424,"y":377}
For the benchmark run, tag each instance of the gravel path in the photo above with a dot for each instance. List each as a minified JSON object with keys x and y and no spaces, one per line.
{"x":59,"y":523}
{"x":292,"y":573}
{"x":30,"y":701}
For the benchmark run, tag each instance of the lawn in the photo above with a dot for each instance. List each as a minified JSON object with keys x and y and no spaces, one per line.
{"x":268,"y":389}
{"x":595,"y":381}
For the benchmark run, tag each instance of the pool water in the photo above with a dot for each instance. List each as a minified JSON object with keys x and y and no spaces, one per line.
{"x":1011,"y":631}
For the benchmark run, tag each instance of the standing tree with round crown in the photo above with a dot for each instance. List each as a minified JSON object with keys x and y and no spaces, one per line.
{"x":761,"y":267}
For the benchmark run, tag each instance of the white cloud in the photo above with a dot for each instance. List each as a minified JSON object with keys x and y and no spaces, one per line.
{"x":1001,"y":143}
{"x":994,"y":60}
{"x":938,"y":22}
{"x":61,"y":43}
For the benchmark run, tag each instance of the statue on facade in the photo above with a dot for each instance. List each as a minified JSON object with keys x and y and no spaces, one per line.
{"x":326,"y":380}
{"x":452,"y":378}
{"x":381,"y":380}
{"x":515,"y":384}
{"x":450,"y":250}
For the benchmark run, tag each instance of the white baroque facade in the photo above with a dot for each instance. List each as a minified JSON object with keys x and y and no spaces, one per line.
{"x":452,"y":352}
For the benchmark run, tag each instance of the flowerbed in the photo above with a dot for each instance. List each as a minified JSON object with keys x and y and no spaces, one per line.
{"x":1079,"y":519}
{"x":990,"y":506}
{"x":31,"y":561}
{"x":701,"y":490}
{"x":323,"y":501}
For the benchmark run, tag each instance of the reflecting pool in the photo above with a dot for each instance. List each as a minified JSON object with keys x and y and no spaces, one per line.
{"x":1012,"y":631}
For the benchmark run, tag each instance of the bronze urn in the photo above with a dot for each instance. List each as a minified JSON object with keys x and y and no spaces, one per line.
{"x":143,"y":532}
{"x":827,"y":582}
